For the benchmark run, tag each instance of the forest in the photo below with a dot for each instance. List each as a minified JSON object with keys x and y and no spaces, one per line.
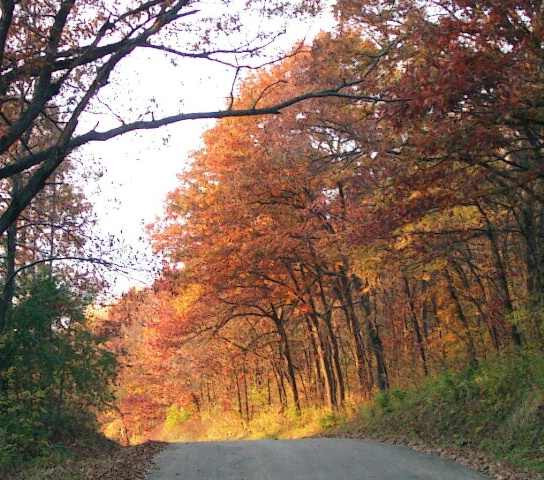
{"x":365,"y":214}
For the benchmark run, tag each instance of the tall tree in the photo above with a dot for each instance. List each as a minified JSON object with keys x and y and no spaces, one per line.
{"x":61,"y":56}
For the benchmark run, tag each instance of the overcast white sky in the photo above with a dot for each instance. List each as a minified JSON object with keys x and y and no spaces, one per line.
{"x":141,"y":168}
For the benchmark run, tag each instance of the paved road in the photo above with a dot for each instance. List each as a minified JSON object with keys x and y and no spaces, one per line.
{"x":308,"y":459}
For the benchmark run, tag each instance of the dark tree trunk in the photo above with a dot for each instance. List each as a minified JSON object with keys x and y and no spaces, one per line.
{"x":415,"y":325}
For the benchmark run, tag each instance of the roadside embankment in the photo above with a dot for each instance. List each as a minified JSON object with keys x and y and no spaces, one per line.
{"x":489,"y":417}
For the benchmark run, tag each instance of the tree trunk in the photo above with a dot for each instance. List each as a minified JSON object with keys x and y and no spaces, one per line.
{"x":415,"y":325}
{"x":323,"y":356}
{"x":6,"y":298}
{"x":461,"y":316}
{"x":285,"y":352}
{"x":502,"y":277}
{"x":375,"y":340}
{"x":354,"y":327}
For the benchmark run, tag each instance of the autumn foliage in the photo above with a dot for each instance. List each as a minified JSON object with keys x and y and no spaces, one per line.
{"x":360,"y":242}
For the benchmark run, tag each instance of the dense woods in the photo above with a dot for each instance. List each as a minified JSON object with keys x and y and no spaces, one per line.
{"x":358,"y":243}
{"x":365,"y":213}
{"x":60,"y":84}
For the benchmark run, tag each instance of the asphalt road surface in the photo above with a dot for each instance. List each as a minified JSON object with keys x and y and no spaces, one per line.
{"x":308,"y":459}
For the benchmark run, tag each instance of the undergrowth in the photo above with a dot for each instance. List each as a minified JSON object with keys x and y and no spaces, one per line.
{"x":269,"y":423}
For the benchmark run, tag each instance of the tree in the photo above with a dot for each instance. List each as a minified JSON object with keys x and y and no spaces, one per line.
{"x":278,"y":216}
{"x":55,"y":59}
{"x":57,"y":62}
{"x":54,"y":229}
{"x":473,"y":73}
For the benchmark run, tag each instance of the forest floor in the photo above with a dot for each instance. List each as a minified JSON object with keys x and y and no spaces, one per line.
{"x":99,"y":460}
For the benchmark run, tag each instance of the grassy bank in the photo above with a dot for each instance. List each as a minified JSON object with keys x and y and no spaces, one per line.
{"x":495,"y":409}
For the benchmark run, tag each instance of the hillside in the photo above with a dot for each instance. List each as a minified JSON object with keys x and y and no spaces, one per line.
{"x":490,"y":418}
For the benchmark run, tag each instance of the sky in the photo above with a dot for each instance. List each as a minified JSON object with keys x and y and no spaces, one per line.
{"x":139,"y":169}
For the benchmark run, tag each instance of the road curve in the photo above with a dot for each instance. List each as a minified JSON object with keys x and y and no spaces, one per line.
{"x":308,"y":459}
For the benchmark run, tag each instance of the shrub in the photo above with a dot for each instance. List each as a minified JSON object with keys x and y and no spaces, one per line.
{"x":54,"y":372}
{"x":176,"y":416}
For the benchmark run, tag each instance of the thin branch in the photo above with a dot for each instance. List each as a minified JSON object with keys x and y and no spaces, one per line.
{"x":98,"y":261}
